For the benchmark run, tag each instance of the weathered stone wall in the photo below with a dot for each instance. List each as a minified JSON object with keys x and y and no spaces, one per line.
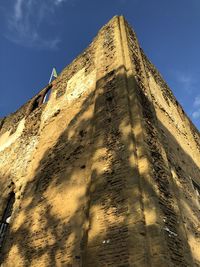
{"x":181,"y":141}
{"x":102,"y":172}
{"x":44,"y":157}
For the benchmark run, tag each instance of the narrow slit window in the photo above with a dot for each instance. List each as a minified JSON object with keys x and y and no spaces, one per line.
{"x":4,"y":223}
{"x":35,"y":104}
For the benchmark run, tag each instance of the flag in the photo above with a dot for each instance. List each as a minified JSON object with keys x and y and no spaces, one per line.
{"x":55,"y":73}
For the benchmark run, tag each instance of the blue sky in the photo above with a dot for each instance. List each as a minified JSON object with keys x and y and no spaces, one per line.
{"x":36,"y":35}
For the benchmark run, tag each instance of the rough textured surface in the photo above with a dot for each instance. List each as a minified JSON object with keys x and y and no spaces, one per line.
{"x":106,"y":172}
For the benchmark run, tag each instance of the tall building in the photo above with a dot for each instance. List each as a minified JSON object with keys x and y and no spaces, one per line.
{"x":102,"y":167}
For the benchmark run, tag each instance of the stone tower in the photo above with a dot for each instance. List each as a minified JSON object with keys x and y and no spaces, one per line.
{"x":104,"y":173}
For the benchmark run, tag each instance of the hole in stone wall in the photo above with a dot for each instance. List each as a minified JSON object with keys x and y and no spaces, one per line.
{"x":109,"y":98}
{"x":35,"y":104}
{"x":83,"y":167}
{"x":39,"y":100}
{"x":82,"y":133}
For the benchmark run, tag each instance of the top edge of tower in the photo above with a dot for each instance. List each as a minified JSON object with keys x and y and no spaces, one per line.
{"x":114,"y":20}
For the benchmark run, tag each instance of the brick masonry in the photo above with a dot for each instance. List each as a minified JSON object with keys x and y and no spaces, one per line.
{"x":104,"y":173}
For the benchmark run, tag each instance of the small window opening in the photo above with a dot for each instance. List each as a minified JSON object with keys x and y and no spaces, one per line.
{"x":47,"y":96}
{"x":35,"y":104}
{"x":4,"y":223}
{"x":196,"y":188}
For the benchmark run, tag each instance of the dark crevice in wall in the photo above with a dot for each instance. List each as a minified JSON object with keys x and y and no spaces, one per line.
{"x":38,"y":100}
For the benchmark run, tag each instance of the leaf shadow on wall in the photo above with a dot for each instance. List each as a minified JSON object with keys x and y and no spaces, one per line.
{"x":69,"y":180}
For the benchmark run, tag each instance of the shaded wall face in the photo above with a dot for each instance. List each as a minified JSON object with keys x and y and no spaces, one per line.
{"x":166,"y":130}
{"x":181,"y":142}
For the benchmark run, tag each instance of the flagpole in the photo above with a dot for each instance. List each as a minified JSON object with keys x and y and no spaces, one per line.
{"x":51,"y":76}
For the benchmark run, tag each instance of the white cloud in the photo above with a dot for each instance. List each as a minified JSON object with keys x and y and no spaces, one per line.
{"x":196,"y":104}
{"x":197,"y":101}
{"x":18,"y":9}
{"x":57,"y":2}
{"x":186,"y":80}
{"x":26,"y":20}
{"x":196,"y":114}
